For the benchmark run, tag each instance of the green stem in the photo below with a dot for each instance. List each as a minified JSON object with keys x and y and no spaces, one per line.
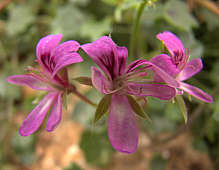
{"x":135,"y":28}
{"x":85,"y":99}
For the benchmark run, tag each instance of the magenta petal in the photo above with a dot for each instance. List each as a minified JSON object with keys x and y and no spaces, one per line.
{"x":190,"y":69}
{"x":164,"y":62}
{"x":163,"y":75}
{"x":55,"y":114}
{"x":100,"y":82}
{"x":122,"y":55}
{"x":122,"y":126}
{"x":132,"y":66}
{"x":36,"y":117}
{"x":171,"y":41}
{"x":196,"y":92}
{"x":101,"y":52}
{"x":66,"y":60}
{"x":160,"y":91}
{"x":65,"y":48}
{"x":28,"y":80}
{"x":46,"y":44}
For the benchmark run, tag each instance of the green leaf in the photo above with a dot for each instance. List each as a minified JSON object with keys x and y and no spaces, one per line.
{"x":137,"y":108}
{"x":68,"y":21}
{"x":21,"y":16}
{"x":73,"y":166}
{"x":96,"y":147}
{"x":84,"y":80}
{"x":94,"y":29}
{"x":176,"y":13}
{"x":102,"y":107}
{"x":182,"y":106}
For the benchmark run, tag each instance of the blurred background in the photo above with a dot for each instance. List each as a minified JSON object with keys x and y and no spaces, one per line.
{"x":77,"y":144}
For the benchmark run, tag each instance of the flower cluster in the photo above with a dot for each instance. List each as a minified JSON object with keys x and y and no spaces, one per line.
{"x":161,"y":77}
{"x":52,"y":77}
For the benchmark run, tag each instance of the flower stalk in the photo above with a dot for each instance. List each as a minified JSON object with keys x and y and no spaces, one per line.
{"x":85,"y":99}
{"x":135,"y":28}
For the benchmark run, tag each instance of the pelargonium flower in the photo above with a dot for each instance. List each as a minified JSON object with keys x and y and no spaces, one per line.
{"x":178,"y":66}
{"x":52,"y":78}
{"x":120,"y":80}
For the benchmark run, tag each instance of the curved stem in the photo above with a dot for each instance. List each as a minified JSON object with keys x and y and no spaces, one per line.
{"x":135,"y":28}
{"x":212,"y":6}
{"x":85,"y":99}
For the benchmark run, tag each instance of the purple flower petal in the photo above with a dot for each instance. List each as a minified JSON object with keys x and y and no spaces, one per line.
{"x":55,"y":114}
{"x":46,"y":44}
{"x":36,"y":117}
{"x":122,"y":126}
{"x":100,"y":82}
{"x":44,"y":48}
{"x":175,"y":47}
{"x":28,"y":80}
{"x":160,"y":91}
{"x":196,"y":92}
{"x":101,"y":52}
{"x":132,"y":66}
{"x":65,"y":48}
{"x":122,"y":55}
{"x":163,"y":75}
{"x":164,"y":62}
{"x":190,"y":69}
{"x":171,"y":41}
{"x":66,"y":60}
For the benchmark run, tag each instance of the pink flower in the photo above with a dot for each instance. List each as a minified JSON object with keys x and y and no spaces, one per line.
{"x":52,"y":57}
{"x":178,"y":65}
{"x":120,"y":80}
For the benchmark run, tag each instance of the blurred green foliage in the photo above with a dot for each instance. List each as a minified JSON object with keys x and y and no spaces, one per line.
{"x":96,"y":146}
{"x":23,"y":23}
{"x":24,"y":147}
{"x":157,"y":163}
{"x":73,"y":166}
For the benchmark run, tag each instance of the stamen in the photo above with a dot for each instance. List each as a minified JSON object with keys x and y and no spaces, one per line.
{"x":137,"y":75}
{"x":147,"y":81}
{"x":125,"y":76}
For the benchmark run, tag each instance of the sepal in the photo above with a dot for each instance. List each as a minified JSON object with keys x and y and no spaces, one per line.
{"x":182,"y":106}
{"x":137,"y":108}
{"x":102,"y":107}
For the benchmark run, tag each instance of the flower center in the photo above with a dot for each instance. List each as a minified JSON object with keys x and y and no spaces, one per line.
{"x":122,"y":81}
